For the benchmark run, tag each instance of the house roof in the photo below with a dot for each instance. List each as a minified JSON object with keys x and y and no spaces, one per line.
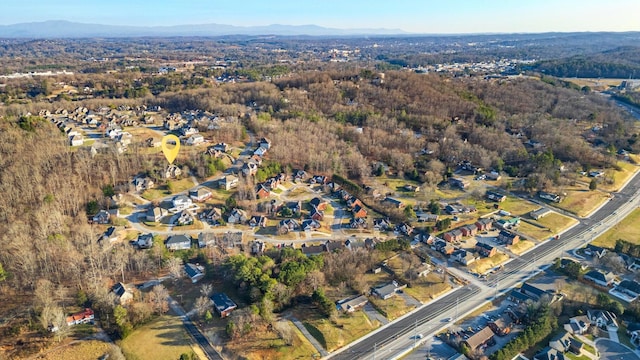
{"x":222,"y":302}
{"x":192,"y":270}
{"x":549,"y":353}
{"x":519,"y":296}
{"x":387,"y":289}
{"x":119,"y":289}
{"x":532,"y":289}
{"x":485,"y":246}
{"x":598,"y":275}
{"x":354,"y":302}
{"x":480,"y":337}
{"x":507,"y":234}
{"x":630,"y":285}
{"x":178,"y":239}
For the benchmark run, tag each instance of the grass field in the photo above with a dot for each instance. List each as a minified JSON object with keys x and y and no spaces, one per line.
{"x":582,"y":202}
{"x":521,"y":247}
{"x":619,"y":177}
{"x":483,"y":265}
{"x":628,"y":229}
{"x":393,"y":308}
{"x":517,"y":207}
{"x":428,"y":289}
{"x":165,"y":338}
{"x":596,"y":84}
{"x":551,"y":224}
{"x":82,"y":350}
{"x":267,"y":345}
{"x":347,"y":328}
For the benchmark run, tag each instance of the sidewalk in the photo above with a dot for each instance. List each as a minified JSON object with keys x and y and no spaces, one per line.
{"x":309,"y":337}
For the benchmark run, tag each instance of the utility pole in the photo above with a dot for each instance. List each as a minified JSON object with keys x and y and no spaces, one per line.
{"x":375,"y":347}
{"x":415,"y":333}
{"x":457,"y":301}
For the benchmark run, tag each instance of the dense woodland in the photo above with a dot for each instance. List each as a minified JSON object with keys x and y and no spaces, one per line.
{"x":340,"y":120}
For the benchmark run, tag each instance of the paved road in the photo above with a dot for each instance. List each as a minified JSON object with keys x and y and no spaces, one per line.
{"x":611,"y":350}
{"x":395,"y":339}
{"x":204,"y":343}
{"x":309,"y":337}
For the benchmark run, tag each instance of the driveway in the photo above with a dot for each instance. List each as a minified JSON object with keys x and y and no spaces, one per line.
{"x":611,"y":350}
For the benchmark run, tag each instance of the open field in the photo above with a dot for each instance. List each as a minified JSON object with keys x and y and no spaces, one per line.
{"x":347,"y":328}
{"x":521,"y":247}
{"x":393,"y":308}
{"x":595,"y":84}
{"x":164,"y":337}
{"x":81,"y":350}
{"x":427,"y":289}
{"x":628,"y":229}
{"x":619,"y":177}
{"x":549,"y":225}
{"x":483,"y":265}
{"x":267,"y":345}
{"x":516,"y":206}
{"x":582,"y":202}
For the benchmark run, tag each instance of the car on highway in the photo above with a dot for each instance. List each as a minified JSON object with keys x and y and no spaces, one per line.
{"x":447,"y":320}
{"x":417,"y":336}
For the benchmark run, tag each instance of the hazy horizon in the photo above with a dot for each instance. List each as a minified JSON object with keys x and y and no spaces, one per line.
{"x":411,"y":16}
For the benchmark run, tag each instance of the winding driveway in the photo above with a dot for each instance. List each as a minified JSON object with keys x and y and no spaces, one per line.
{"x":611,"y":350}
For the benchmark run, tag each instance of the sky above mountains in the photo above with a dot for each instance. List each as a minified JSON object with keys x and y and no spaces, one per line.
{"x":414,"y":16}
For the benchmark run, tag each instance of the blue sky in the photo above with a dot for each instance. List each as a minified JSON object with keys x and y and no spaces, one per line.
{"x":419,"y":16}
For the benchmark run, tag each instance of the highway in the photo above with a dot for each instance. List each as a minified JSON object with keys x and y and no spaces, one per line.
{"x":398,"y":338}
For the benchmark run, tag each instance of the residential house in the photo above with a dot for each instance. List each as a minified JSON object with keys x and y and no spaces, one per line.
{"x":102,"y":217}
{"x":258,"y":247}
{"x":142,"y":183}
{"x":200,"y":194}
{"x":455,"y":209}
{"x":423,"y":270}
{"x":508,"y":223}
{"x":332,"y":246}
{"x":508,"y":238}
{"x":85,"y":316}
{"x":207,"y":239}
{"x":316,"y":214}
{"x":600,"y":278}
{"x":258,"y":221}
{"x":578,"y":325}
{"x":110,"y":235}
{"x":196,"y":139}
{"x":211,"y":215}
{"x":427,"y":217}
{"x":195,"y":272}
{"x":178,"y":242}
{"x":155,"y":214}
{"x":359,"y":212}
{"x":172,"y":172}
{"x":181,"y":202}
{"x":561,"y":342}
{"x":299,"y":175}
{"x":287,"y":225}
{"x":265,"y":143}
{"x":353,"y":201}
{"x":404,"y":229}
{"x":294,"y":206}
{"x":592,"y":250}
{"x":453,"y":235}
{"x":393,"y":202}
{"x":262,"y":191}
{"x":502,"y":325}
{"x":76,"y":140}
{"x":223,"y":304}
{"x":309,"y":224}
{"x":123,"y":294}
{"x":458,"y":182}
{"x":629,"y":288}
{"x":411,"y":188}
{"x":493,"y":175}
{"x":358,"y":223}
{"x":469,"y":230}
{"x":319,"y":203}
{"x":603,"y":319}
{"x":319,"y":179}
{"x":527,"y":292}
{"x":182,"y":218}
{"x":381,"y":224}
{"x":482,"y":337}
{"x":310,"y":250}
{"x":540,"y":213}
{"x":494,"y":196}
{"x":549,"y":353}
{"x":249,"y":169}
{"x":387,"y":291}
{"x":228,"y":182}
{"x":485,"y":249}
{"x":549,"y":196}
{"x":260,"y":151}
{"x":447,"y":249}
{"x":223,"y":147}
{"x":353,"y":304}
{"x":144,"y":241}
{"x":484,"y":224}
{"x":237,"y":216}
{"x":462,"y":256}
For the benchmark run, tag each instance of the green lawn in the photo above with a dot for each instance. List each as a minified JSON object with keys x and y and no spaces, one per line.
{"x":628,"y":229}
{"x":516,"y":206}
{"x":164,"y":337}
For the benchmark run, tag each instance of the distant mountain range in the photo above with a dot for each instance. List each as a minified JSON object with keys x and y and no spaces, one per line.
{"x":68,"y":29}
